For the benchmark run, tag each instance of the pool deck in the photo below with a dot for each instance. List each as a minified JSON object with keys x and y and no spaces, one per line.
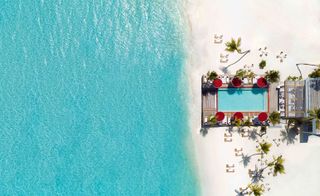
{"x":209,"y":102}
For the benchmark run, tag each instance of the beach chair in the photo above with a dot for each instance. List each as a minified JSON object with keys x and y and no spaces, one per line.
{"x":245,"y":81}
{"x":230,"y":170}
{"x":227,"y":79}
{"x":224,"y":80}
{"x":227,"y":139}
{"x":227,"y":134}
{"x":238,"y":149}
{"x":250,"y":173}
{"x":225,"y":121}
{"x":205,"y":79}
{"x":255,"y":79}
{"x":229,"y":166}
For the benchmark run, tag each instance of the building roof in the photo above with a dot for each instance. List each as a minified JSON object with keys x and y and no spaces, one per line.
{"x":294,"y":99}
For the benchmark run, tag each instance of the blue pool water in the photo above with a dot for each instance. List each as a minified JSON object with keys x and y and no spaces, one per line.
{"x":242,"y":99}
{"x":90,"y":99}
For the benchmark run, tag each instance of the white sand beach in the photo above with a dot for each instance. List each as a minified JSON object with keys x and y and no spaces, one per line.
{"x":289,"y":26}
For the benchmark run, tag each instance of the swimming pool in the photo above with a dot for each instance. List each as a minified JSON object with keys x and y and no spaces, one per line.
{"x":242,"y":99}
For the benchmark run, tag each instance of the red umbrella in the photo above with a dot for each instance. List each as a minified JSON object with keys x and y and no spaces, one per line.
{"x":262,"y":82}
{"x":217,"y":83}
{"x":236,"y":82}
{"x":219,"y":116}
{"x":238,"y":115}
{"x":263,"y":116}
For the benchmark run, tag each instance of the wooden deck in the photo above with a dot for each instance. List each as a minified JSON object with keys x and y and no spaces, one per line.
{"x":273,"y":98}
{"x":209,"y":102}
{"x":209,"y":106}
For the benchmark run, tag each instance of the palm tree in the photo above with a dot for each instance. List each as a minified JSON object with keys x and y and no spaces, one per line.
{"x":262,"y":64}
{"x":264,"y":147}
{"x":251,"y":75}
{"x":314,"y":74}
{"x":247,"y":122}
{"x":272,"y":76}
{"x":274,"y":118}
{"x":294,"y":78}
{"x":234,"y":46}
{"x":256,"y":189}
{"x":241,"y":73}
{"x":262,"y":131}
{"x":213,"y":120}
{"x":238,"y":123}
{"x":277,"y":165}
{"x":212,"y":75}
{"x":315,"y":114}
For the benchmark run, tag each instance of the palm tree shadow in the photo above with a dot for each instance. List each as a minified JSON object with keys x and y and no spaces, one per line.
{"x":257,"y":176}
{"x":289,"y":135}
{"x":253,"y":135}
{"x":245,"y":159}
{"x":204,"y":131}
{"x":239,"y":193}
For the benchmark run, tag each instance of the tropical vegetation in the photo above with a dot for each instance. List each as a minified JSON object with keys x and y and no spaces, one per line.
{"x":212,"y":75}
{"x":241,"y":73}
{"x":234,"y":46}
{"x":264,"y":147}
{"x":277,"y":165}
{"x":256,"y":189}
{"x":274,"y":118}
{"x":237,"y":122}
{"x":315,"y":73}
{"x":294,"y":78}
{"x":262,"y":64}
{"x":213,"y":119}
{"x":272,"y":76}
{"x":247,"y":122}
{"x":315,"y":114}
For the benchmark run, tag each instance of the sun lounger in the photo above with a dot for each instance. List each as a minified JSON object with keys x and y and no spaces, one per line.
{"x":238,"y":149}
{"x":250,"y":172}
{"x":227,"y":139}
{"x":230,"y":170}
{"x":245,"y":81}
{"x":227,"y":79}
{"x":238,"y":154}
{"x":254,"y":80}
{"x":245,"y":134}
{"x":229,"y":166}
{"x":224,"y":80}
{"x":227,"y":134}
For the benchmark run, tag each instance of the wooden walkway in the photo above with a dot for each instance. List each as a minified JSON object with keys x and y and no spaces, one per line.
{"x":273,"y":98}
{"x":209,"y":106}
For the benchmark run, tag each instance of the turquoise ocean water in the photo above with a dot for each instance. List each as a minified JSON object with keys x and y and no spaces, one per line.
{"x":91,"y":100}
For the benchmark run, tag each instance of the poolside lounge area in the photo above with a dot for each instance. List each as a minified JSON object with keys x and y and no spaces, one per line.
{"x":210,"y":104}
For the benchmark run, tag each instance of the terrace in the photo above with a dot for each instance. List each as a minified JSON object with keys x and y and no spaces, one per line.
{"x":253,"y":97}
